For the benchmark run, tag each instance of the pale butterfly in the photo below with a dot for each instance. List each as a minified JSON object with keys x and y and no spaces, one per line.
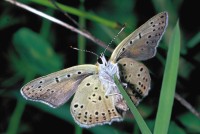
{"x":97,"y":99}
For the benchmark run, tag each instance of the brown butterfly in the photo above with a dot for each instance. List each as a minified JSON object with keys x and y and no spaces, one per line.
{"x":97,"y":99}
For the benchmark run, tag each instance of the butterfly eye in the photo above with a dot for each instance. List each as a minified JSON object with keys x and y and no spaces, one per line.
{"x":99,"y":60}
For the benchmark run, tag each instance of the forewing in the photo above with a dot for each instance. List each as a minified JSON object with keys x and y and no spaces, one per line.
{"x":142,"y":43}
{"x":56,"y":88}
{"x":137,"y":77}
{"x":90,"y":106}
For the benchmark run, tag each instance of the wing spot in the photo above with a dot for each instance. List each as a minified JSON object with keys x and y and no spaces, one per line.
{"x":93,"y":94}
{"x":140,"y":35}
{"x":88,"y":84}
{"x":154,"y":25}
{"x":79,"y":72}
{"x":96,"y":113}
{"x":131,"y":42}
{"x":139,"y":83}
{"x":149,"y":36}
{"x":81,"y":106}
{"x":151,"y":22}
{"x":57,"y":80}
{"x":41,"y":89}
{"x":52,"y":91}
{"x":68,"y":75}
{"x":147,"y":42}
{"x":106,"y":97}
{"x":39,"y":86}
{"x":40,"y":81}
{"x":162,"y":16}
{"x":123,"y":49}
{"x":94,"y":101}
{"x":124,"y":65}
{"x":109,"y":112}
{"x":97,"y":119}
{"x":141,"y":69}
{"x":76,"y":105}
{"x":99,"y":97}
{"x":154,"y":29}
{"x":86,"y":113}
{"x":140,"y":92}
{"x":96,"y":88}
{"x":138,"y":75}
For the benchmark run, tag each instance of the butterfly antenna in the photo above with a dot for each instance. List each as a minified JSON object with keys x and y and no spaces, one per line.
{"x":85,"y":51}
{"x":123,"y":27}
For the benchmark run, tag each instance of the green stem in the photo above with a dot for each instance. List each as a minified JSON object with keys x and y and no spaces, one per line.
{"x":79,"y":13}
{"x":81,"y":39}
{"x":16,"y":117}
{"x":141,"y":123}
{"x":169,"y":84}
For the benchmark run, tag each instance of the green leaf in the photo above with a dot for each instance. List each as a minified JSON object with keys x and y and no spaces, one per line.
{"x":168,"y":84}
{"x":36,"y":51}
{"x":191,"y":122}
{"x":141,"y":123}
{"x":175,"y":129}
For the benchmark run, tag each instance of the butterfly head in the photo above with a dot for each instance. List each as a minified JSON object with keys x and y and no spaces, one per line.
{"x":102,"y":60}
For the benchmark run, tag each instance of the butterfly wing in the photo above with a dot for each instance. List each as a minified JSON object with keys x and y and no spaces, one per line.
{"x":142,"y":43}
{"x":137,"y":77}
{"x":90,"y":106}
{"x":56,"y":88}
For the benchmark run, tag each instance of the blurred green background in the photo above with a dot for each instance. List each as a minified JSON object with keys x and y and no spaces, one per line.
{"x":32,"y":46}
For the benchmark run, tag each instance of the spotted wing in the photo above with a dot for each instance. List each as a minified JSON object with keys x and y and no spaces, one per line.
{"x":90,"y":106}
{"x":56,"y":88}
{"x":137,"y":77}
{"x":142,"y":43}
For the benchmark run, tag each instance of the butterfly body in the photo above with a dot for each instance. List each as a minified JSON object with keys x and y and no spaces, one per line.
{"x":97,"y":100}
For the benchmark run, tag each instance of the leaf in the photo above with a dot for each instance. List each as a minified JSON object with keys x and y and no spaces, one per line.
{"x":169,"y":84}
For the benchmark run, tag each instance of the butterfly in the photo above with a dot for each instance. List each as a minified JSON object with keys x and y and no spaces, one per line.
{"x":97,"y":100}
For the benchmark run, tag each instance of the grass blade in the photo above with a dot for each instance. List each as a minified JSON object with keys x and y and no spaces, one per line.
{"x":141,"y":123}
{"x":169,"y":84}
